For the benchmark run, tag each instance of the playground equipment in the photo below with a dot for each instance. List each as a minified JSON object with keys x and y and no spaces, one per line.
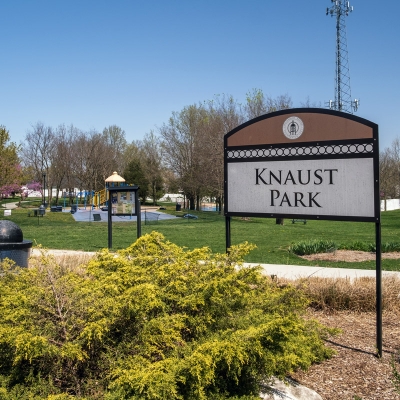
{"x":100,"y":198}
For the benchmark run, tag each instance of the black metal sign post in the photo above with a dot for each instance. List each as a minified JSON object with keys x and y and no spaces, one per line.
{"x":121,"y":209}
{"x":228,"y":232}
{"x":306,"y":163}
{"x":378,"y":283}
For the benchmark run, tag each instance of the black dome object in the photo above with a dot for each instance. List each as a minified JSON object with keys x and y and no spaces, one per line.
{"x":10,"y":232}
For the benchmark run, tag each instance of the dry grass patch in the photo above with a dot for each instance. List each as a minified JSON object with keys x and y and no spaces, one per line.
{"x":68,"y":260}
{"x":357,"y":295}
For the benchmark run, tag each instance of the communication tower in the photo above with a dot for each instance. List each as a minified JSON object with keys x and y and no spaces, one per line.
{"x":343,"y":102}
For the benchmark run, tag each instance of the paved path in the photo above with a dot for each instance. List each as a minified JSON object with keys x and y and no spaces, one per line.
{"x":281,"y":271}
{"x":10,"y":206}
{"x":301,"y":271}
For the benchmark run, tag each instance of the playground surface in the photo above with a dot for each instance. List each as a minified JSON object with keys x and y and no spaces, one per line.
{"x":87,"y":215}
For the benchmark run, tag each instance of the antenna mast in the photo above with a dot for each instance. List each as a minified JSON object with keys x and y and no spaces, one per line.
{"x":341,"y":9}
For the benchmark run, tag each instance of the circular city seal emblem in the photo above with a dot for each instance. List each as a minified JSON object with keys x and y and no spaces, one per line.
{"x":293,"y":127}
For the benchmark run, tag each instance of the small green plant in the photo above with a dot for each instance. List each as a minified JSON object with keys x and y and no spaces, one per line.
{"x":326,"y":246}
{"x":386,"y":247}
{"x":390,"y":247}
{"x":313,"y":247}
{"x":358,"y":246}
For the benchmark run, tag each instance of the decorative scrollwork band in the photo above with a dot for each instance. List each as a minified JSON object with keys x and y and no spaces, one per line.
{"x":302,"y":151}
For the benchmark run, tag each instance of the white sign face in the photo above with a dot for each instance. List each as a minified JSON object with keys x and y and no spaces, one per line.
{"x":334,"y":187}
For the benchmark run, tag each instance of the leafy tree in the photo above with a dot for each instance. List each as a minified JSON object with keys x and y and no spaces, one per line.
{"x":134,"y":174}
{"x":154,"y":321}
{"x":11,"y":173}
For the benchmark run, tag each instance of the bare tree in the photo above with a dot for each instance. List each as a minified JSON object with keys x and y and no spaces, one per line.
{"x":114,"y":137}
{"x":182,"y":147}
{"x":152,"y":154}
{"x":308,"y":104}
{"x":91,"y":162}
{"x":193,"y":141}
{"x":257,"y":104}
{"x":72,"y":158}
{"x":389,"y":170}
{"x":38,"y":151}
{"x":224,"y":114}
{"x":63,"y":175}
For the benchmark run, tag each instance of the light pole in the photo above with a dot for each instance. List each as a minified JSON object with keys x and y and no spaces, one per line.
{"x":44,"y":187}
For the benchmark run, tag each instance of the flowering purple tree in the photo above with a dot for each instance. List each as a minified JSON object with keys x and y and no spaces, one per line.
{"x":32,"y":187}
{"x":35,"y":186}
{"x":10,"y":190}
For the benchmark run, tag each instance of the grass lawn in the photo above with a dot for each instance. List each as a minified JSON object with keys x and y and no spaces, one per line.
{"x":61,"y":231}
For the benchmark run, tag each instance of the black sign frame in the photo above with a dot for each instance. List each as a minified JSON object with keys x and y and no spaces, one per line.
{"x":250,"y":148}
{"x":137,"y":213}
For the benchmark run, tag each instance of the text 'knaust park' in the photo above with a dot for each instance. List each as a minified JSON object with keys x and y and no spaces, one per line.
{"x":299,"y":178}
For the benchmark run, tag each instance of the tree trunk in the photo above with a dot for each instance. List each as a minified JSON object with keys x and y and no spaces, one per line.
{"x":191,"y":202}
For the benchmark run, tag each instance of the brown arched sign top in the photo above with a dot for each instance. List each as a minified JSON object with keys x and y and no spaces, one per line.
{"x":318,"y":125}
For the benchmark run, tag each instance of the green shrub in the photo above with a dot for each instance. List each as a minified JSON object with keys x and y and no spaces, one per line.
{"x":154,"y":321}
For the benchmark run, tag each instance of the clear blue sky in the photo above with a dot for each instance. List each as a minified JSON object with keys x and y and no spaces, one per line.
{"x":95,"y":63}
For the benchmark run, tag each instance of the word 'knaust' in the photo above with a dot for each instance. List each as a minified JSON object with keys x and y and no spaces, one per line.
{"x":300,"y":177}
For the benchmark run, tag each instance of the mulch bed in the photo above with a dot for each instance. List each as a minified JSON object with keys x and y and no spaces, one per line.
{"x":355,"y":372}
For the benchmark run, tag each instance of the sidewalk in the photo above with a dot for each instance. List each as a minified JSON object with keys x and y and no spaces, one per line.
{"x":10,"y":206}
{"x":291,"y":272}
{"x":301,"y":271}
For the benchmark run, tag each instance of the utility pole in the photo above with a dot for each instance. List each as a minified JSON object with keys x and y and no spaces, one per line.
{"x":343,"y":102}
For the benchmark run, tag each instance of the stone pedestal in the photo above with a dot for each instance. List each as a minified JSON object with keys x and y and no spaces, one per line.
{"x":13,"y":245}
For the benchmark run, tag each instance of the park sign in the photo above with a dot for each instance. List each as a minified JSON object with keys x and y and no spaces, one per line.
{"x":306,"y":163}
